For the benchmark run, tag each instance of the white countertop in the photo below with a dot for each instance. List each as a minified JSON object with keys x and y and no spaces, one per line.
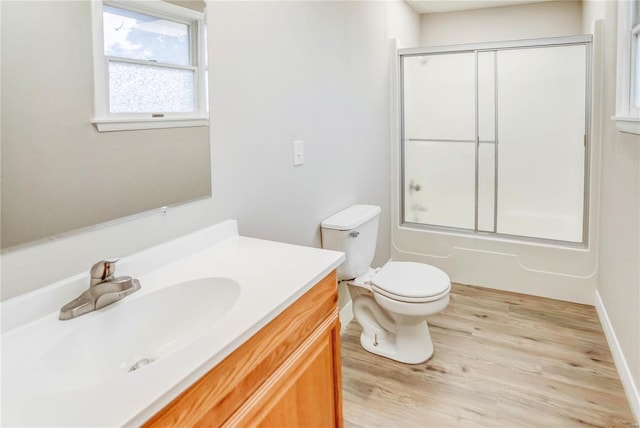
{"x":271,"y":275}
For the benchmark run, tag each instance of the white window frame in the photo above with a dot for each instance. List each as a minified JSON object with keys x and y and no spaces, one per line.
{"x":627,"y":115}
{"x":106,"y":121}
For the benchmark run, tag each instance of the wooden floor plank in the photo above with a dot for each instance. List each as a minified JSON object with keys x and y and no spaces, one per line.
{"x":501,"y":360}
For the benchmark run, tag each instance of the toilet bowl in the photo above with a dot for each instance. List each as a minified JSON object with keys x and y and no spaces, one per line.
{"x":392,"y":309}
{"x":390,"y":303}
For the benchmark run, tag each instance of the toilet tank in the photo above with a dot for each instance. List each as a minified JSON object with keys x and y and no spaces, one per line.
{"x":353,"y":231}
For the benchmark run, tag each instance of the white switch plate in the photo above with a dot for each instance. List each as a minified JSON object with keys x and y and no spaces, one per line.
{"x":298,"y":153}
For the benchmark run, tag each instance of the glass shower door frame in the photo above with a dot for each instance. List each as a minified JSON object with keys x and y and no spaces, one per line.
{"x":495,"y":47}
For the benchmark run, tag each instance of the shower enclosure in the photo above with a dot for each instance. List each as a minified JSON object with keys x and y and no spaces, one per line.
{"x":494,"y":138}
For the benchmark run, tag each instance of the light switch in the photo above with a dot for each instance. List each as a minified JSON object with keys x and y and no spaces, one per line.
{"x":298,"y":153}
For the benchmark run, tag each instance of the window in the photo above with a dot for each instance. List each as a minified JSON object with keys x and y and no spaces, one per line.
{"x":149,"y":66}
{"x":628,"y":73}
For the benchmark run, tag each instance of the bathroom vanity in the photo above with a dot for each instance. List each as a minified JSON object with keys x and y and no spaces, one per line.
{"x":231,"y":330}
{"x":287,"y":375}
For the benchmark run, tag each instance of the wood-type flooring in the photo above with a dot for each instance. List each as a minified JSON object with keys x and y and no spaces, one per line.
{"x":501,"y":360}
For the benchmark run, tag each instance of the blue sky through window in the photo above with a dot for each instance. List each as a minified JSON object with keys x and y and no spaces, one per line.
{"x":134,"y":35}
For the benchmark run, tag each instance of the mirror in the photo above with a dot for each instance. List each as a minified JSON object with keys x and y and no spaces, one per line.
{"x":58,"y":173}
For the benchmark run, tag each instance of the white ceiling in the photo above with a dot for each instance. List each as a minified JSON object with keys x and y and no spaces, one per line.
{"x":435,"y":6}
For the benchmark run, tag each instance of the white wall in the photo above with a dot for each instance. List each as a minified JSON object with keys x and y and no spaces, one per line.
{"x":312,"y":71}
{"x":529,"y":21}
{"x":279,"y":72}
{"x":619,"y":249}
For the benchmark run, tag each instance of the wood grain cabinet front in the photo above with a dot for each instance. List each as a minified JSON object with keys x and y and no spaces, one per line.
{"x":286,"y":375}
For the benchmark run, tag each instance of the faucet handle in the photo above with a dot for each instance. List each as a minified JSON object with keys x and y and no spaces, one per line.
{"x":103,"y":270}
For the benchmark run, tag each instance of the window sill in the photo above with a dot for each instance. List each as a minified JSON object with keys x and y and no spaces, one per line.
{"x":109,"y":125}
{"x":629,"y":125}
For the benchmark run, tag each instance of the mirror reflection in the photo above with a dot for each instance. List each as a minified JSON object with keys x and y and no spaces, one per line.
{"x":58,"y":172}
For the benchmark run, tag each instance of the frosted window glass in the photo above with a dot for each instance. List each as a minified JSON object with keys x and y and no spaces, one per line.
{"x":135,"y":88}
{"x":134,"y":35}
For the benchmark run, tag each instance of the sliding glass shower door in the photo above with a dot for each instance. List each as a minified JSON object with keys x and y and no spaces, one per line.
{"x":440,"y":137}
{"x":494,"y":138}
{"x":542,"y":148}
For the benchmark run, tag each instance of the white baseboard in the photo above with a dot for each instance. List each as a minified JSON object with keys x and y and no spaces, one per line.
{"x":346,"y":315}
{"x":618,"y":357}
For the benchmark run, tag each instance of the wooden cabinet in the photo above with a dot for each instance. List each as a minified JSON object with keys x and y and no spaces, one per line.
{"x":286,"y":375}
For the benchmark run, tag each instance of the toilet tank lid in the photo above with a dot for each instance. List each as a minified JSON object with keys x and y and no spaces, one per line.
{"x":351,"y":217}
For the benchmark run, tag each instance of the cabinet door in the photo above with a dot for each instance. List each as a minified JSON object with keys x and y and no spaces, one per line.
{"x":305,"y":391}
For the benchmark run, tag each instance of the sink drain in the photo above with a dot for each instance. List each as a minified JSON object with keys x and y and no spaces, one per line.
{"x":140,"y":364}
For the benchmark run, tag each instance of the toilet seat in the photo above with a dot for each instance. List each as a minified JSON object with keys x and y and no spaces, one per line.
{"x":411,"y":282}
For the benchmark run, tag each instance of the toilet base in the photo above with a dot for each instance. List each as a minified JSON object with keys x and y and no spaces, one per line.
{"x":412,"y":345}
{"x":398,"y":337}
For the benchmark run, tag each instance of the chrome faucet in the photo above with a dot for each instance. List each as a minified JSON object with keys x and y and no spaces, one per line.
{"x":104,"y":289}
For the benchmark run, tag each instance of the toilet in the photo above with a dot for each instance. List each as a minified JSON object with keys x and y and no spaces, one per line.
{"x":391,"y":303}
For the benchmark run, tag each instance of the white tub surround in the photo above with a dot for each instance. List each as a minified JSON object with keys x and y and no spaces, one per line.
{"x":271,"y":276}
{"x":545,"y":269}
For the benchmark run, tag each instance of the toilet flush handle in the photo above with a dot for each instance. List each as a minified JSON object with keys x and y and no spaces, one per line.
{"x":354,"y":234}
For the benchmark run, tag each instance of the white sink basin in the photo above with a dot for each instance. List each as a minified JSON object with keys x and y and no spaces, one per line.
{"x":149,"y":327}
